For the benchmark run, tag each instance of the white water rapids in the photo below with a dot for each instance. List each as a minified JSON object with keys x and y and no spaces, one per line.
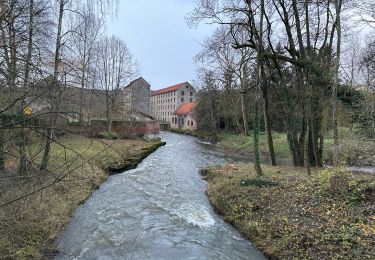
{"x":157,"y":211}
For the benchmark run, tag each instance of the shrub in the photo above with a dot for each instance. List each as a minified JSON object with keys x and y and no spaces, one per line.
{"x":335,"y":180}
{"x":108,"y":135}
{"x":324,"y":179}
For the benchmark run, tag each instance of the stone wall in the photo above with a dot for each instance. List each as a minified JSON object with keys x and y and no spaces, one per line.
{"x":124,"y":128}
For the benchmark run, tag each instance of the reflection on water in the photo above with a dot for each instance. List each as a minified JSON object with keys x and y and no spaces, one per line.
{"x":157,"y":211}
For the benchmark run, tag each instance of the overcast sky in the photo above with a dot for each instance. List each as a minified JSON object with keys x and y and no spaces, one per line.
{"x":159,"y":38}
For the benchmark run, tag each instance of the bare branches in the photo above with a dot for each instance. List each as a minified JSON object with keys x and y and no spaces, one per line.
{"x":47,"y":53}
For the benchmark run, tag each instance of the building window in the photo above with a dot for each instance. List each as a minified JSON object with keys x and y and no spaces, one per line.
{"x":182,"y":99}
{"x":182,"y":121}
{"x":182,"y":93}
{"x":191,"y":100}
{"x":191,"y":94}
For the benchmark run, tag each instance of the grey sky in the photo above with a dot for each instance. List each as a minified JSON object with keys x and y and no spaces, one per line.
{"x":159,"y":38}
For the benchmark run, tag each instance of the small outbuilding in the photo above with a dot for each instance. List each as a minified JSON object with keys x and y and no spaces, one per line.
{"x":184,"y":117}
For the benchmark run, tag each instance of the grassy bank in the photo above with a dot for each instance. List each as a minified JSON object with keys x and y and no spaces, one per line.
{"x":288,"y":214}
{"x":355,"y":149}
{"x":78,"y":166}
{"x":200,"y":134}
{"x":243,"y":145}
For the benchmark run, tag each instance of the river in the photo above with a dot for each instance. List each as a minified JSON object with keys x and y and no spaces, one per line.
{"x":157,"y":211}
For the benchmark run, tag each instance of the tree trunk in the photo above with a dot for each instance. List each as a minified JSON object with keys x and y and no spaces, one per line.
{"x":321,"y":147}
{"x":244,"y":116}
{"x":54,"y":103}
{"x":212,"y":113}
{"x":267,"y":125}
{"x":109,"y":118}
{"x":81,"y":121}
{"x":315,"y":143}
{"x":301,"y":142}
{"x":23,"y":159}
{"x":293,"y":147}
{"x":336,"y":148}
{"x":307,"y":146}
{"x":2,"y":148}
{"x":257,"y":166}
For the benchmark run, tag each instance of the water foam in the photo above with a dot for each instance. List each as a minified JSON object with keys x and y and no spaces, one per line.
{"x":204,"y":142}
{"x":195,"y":214}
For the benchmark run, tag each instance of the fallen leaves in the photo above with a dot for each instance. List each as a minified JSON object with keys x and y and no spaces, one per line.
{"x":296,"y":218}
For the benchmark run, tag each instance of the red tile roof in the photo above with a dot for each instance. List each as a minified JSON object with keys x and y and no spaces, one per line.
{"x":168,"y":89}
{"x":185,"y":109}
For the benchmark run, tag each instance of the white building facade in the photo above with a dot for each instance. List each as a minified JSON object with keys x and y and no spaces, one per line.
{"x":164,"y":102}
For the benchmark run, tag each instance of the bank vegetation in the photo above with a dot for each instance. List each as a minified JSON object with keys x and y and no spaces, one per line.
{"x":292,"y":83}
{"x":290,"y":215}
{"x":41,"y":204}
{"x":52,"y":54}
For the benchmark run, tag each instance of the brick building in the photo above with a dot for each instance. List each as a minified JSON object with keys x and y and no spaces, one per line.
{"x":164,"y":102}
{"x":184,"y":117}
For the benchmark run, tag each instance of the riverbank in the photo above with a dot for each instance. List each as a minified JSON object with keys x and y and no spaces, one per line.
{"x":200,"y":134}
{"x":32,"y":224}
{"x":288,"y":214}
{"x":355,"y":149}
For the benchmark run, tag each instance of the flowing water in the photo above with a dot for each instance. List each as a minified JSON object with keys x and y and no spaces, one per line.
{"x":157,"y":211}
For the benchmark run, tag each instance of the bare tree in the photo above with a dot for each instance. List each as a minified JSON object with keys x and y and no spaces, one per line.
{"x":116,"y":68}
{"x":56,"y":90}
{"x":234,"y":68}
{"x":296,"y":44}
{"x":336,"y":157}
{"x":87,"y":27}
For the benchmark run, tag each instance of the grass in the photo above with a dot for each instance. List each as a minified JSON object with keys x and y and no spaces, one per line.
{"x":290,"y":215}
{"x":29,"y":226}
{"x":355,"y":149}
{"x":244,"y":144}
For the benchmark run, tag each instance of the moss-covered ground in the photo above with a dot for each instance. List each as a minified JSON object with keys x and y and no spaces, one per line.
{"x":78,"y":165}
{"x":290,"y":215}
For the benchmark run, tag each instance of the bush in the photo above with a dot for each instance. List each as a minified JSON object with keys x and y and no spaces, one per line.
{"x":108,"y":135}
{"x":335,"y":180}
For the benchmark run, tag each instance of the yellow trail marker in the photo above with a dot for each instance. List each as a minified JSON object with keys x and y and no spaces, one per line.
{"x":27,"y":110}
